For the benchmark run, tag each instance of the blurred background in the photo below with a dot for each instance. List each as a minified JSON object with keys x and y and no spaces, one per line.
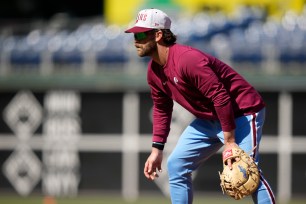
{"x":75,"y":107}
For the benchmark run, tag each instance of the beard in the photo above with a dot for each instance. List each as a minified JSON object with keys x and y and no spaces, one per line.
{"x":146,"y":49}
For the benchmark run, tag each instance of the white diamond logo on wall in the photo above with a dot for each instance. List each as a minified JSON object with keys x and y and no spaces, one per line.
{"x":23,"y":114}
{"x":23,"y":169}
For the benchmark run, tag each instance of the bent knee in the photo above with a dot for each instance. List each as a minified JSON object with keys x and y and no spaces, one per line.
{"x":174,"y":164}
{"x":178,"y":165}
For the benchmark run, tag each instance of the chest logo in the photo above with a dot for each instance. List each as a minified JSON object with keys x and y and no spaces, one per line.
{"x":175,"y":80}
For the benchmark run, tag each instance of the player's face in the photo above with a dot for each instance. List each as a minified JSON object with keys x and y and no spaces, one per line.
{"x":145,"y":43}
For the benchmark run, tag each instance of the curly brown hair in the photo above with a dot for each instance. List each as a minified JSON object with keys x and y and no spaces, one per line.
{"x":168,"y":37}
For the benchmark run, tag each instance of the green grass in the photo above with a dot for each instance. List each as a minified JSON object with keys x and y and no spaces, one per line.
{"x":116,"y":199}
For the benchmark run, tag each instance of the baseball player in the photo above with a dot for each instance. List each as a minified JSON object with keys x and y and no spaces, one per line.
{"x":229,"y":111}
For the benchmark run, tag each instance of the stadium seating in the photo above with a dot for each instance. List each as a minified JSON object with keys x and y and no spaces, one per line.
{"x":245,"y":38}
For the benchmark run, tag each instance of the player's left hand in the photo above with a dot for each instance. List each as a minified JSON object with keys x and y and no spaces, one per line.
{"x":244,"y":177}
{"x":227,"y":147}
{"x":153,"y":164}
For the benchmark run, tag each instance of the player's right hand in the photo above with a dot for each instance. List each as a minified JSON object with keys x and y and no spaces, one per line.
{"x":153,"y":164}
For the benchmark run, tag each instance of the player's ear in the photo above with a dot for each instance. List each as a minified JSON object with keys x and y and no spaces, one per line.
{"x":158,"y":35}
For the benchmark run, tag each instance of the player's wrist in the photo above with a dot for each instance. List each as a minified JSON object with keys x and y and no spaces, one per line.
{"x":158,"y":145}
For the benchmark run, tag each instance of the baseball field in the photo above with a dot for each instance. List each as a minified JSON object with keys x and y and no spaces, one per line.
{"x":116,"y":199}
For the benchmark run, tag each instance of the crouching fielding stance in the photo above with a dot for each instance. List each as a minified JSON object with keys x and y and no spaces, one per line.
{"x":229,"y":111}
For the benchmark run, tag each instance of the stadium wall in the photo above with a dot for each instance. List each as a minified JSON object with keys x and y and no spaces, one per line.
{"x":62,"y":142}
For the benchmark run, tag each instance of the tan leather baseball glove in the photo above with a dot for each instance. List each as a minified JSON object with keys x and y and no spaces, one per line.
{"x":244,"y":177}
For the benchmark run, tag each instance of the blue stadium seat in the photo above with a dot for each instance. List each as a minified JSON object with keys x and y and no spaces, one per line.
{"x":111,"y":57}
{"x":61,"y":57}
{"x":113,"y":52}
{"x":23,"y":55}
{"x":288,"y":56}
{"x":28,"y":58}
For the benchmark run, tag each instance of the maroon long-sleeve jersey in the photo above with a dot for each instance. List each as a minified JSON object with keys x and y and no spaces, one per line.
{"x":202,"y":84}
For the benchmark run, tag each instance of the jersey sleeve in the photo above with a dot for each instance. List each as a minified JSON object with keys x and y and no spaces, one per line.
{"x":199,"y":71}
{"x":162,"y":114}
